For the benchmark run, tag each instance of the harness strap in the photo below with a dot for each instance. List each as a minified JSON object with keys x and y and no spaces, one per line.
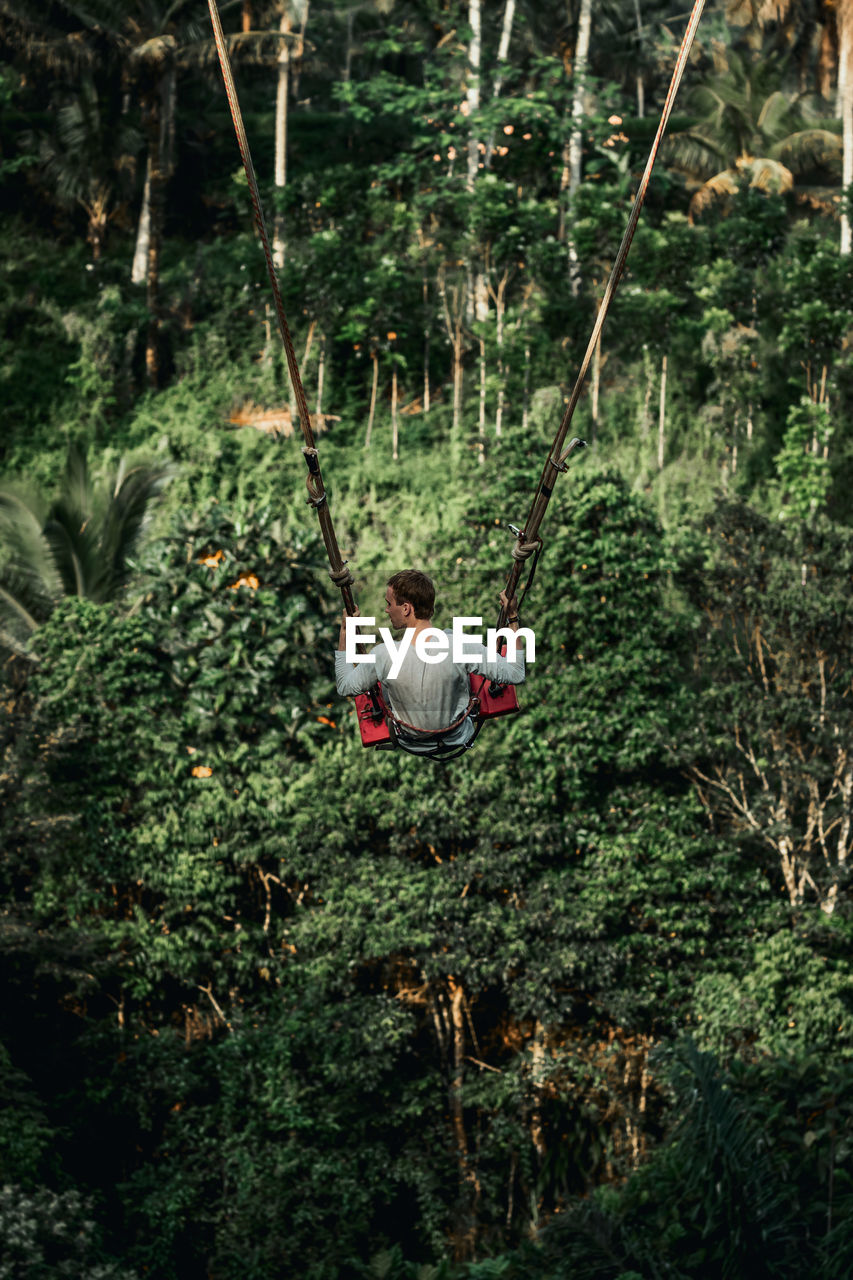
{"x":472,"y":708}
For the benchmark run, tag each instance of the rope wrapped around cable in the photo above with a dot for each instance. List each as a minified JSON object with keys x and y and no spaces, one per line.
{"x":556,"y":461}
{"x":338,"y":572}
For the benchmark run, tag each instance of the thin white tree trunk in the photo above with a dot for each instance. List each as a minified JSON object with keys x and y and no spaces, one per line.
{"x":453,"y":328}
{"x":457,"y":380}
{"x":497,"y":83}
{"x":499,"y":337}
{"x":648,"y":367}
{"x":578,"y":97}
{"x":375,"y":358}
{"x":845,"y":84}
{"x":573,"y":153}
{"x":281,"y":96}
{"x":476,"y":301}
{"x":143,"y":232}
{"x":596,"y":384}
{"x":472,"y":91}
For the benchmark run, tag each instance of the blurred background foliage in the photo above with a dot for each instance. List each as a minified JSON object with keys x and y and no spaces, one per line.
{"x":275,"y":1007}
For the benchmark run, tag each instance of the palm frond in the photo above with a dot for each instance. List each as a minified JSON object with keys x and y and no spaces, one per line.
{"x":693,"y":153}
{"x":774,"y":114}
{"x":126,"y":517}
{"x":76,"y":485}
{"x":722,"y":184}
{"x":728,"y":1165}
{"x":808,"y":149}
{"x":26,"y":553}
{"x":9,"y":603}
{"x":79,"y":545}
{"x":73,"y":538}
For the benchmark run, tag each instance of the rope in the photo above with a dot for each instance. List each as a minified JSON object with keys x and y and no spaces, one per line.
{"x":316,"y":489}
{"x":556,"y":462}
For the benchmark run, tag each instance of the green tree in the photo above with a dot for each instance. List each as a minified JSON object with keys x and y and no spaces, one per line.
{"x":81,"y":543}
{"x":770,"y":759}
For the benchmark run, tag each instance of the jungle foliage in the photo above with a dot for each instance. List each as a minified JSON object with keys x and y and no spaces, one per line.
{"x":277,"y":1008}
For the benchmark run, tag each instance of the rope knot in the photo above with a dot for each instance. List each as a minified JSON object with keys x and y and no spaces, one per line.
{"x":341,"y":577}
{"x":524,"y":550}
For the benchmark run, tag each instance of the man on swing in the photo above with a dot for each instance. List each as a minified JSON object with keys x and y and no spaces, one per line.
{"x":425,"y":697}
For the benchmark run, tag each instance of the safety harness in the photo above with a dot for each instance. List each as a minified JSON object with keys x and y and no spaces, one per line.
{"x":382,"y":729}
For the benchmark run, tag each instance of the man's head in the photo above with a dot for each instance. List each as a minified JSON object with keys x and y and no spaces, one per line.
{"x":409,"y":596}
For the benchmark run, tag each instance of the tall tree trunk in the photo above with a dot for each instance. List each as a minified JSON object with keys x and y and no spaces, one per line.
{"x":453,"y":327}
{"x":497,"y":83}
{"x":375,"y":358}
{"x":321,"y":370}
{"x":457,"y":382}
{"x":472,"y":91}
{"x":152,"y":281}
{"x":290,"y":54}
{"x":525,"y":397}
{"x":159,"y":108}
{"x":281,"y":96}
{"x":596,"y":386}
{"x":499,"y":341}
{"x":648,"y":369}
{"x":845,"y":81}
{"x":573,"y":151}
{"x":143,"y":231}
{"x":155,"y":63}
{"x":161,"y":129}
{"x":469,"y":1187}
{"x":395,"y":434}
{"x":477,"y":305}
{"x":481,"y":427}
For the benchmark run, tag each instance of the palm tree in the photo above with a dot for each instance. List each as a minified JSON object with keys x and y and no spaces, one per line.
{"x":803,"y":26}
{"x":88,"y":156}
{"x":746,"y":129}
{"x":141,"y":44}
{"x":80,"y":544}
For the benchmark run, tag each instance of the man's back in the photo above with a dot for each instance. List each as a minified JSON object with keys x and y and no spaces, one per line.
{"x":427,"y":696}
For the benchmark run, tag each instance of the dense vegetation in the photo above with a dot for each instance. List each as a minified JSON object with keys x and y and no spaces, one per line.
{"x":581,"y":1004}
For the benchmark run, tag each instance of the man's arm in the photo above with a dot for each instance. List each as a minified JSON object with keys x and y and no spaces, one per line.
{"x":502,"y":671}
{"x":352,"y":677}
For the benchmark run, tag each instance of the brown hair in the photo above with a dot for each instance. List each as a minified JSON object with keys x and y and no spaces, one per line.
{"x":410,"y":586}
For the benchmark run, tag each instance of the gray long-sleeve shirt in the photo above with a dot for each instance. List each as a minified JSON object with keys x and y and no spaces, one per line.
{"x":427,"y":695}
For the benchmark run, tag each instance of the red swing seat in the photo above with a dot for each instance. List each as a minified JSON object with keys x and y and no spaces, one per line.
{"x":494,"y":699}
